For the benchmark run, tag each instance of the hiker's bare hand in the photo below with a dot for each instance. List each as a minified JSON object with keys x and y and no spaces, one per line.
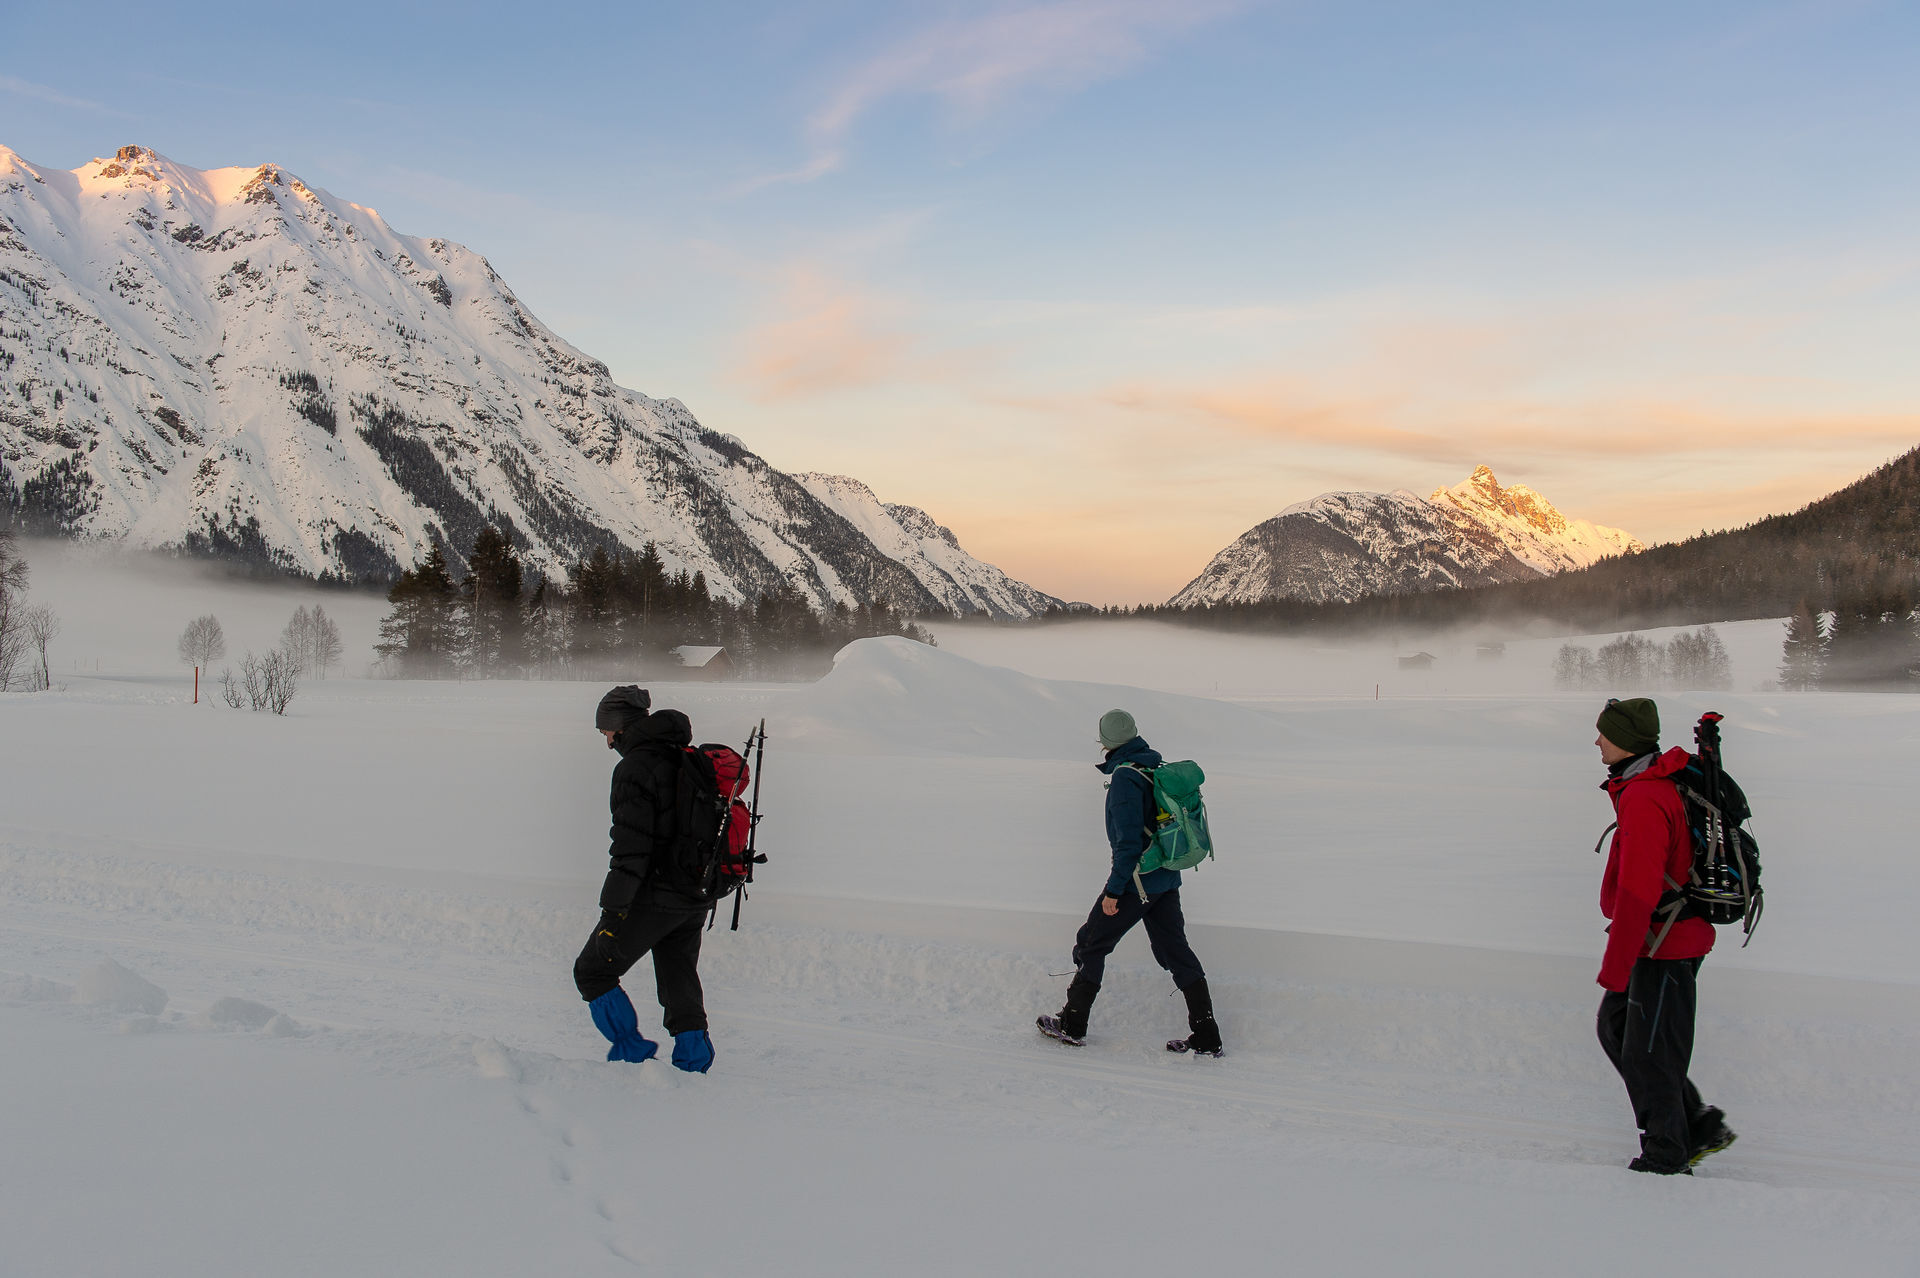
{"x":1109,"y":905}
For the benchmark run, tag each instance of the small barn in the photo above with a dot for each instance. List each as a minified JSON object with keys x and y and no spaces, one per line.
{"x":1417,"y":661}
{"x":703,"y":663}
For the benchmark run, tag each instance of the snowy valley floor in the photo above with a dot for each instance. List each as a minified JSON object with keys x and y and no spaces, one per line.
{"x":371,"y":1059}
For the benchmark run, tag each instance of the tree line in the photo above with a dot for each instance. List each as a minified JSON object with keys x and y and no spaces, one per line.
{"x":1871,"y":644}
{"x":616,"y":612}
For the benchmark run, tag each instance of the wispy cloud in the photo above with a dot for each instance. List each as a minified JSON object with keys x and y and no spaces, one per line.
{"x":53,"y":97}
{"x":978,"y":65}
{"x":1504,"y":428}
{"x":830,"y":336}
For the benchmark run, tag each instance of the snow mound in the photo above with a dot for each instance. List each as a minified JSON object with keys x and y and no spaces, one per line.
{"x":241,"y":1012}
{"x":109,"y":985}
{"x":18,"y":987}
{"x":901,"y":695}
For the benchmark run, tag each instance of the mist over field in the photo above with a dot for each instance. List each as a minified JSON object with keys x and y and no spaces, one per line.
{"x":1233,"y":665}
{"x":122,"y":611}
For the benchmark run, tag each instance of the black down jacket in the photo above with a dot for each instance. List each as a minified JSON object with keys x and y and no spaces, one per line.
{"x":642,"y":803}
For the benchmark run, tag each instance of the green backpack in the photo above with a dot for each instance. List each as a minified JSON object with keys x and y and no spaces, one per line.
{"x":1178,"y":838}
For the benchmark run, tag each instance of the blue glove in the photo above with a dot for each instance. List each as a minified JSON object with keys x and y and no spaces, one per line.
{"x":692,"y":1051}
{"x":614,"y":1015}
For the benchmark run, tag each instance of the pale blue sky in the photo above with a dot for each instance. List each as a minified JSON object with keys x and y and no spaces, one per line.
{"x":1103,"y":283}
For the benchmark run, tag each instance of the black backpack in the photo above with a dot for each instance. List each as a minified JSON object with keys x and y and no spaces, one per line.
{"x":1724,"y":884}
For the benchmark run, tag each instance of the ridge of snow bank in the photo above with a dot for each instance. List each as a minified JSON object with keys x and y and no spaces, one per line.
{"x":902,"y":694}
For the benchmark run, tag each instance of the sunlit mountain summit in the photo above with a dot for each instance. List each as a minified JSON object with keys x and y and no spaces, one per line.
{"x":1344,"y":545}
{"x":234,"y":362}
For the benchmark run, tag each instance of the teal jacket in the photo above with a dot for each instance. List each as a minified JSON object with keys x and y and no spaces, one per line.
{"x":1130,"y":811}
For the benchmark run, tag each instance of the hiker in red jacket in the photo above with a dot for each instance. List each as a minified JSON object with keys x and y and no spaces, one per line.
{"x":1646,"y":1015}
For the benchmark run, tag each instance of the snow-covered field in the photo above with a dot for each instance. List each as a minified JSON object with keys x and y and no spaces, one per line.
{"x":370,"y":1058}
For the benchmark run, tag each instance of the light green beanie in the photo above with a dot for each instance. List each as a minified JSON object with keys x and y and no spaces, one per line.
{"x":1116,"y":729}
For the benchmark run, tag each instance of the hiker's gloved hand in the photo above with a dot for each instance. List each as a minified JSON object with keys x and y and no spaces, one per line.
{"x":1109,"y":905}
{"x":692,"y":1051}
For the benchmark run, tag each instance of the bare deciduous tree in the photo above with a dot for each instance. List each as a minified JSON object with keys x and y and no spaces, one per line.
{"x":13,"y":587}
{"x":326,"y":642}
{"x":202,"y":643}
{"x":42,"y":625}
{"x":312,"y":640}
{"x":269,"y":682}
{"x":230,"y":688}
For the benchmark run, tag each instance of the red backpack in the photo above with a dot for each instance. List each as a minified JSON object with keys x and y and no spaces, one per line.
{"x":730,"y":776}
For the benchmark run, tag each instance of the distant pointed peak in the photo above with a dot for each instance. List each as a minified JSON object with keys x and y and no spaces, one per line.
{"x":1482,"y":477}
{"x":131,"y":161}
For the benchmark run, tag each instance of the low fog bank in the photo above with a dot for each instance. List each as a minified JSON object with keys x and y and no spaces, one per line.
{"x":1211,"y":663}
{"x":122,"y":611}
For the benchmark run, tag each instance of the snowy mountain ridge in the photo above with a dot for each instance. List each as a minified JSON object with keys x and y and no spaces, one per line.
{"x":1342,"y":545}
{"x":910,"y":536}
{"x":231,"y":361}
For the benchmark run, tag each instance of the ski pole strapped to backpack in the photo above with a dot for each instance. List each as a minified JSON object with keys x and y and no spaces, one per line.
{"x":1178,"y":839}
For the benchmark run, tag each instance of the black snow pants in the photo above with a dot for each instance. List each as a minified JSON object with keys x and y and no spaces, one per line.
{"x":620,"y":939}
{"x":1647,"y":1033}
{"x":1166,"y":932}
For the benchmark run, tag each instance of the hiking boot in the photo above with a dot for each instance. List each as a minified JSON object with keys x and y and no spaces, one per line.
{"x":1053,"y":1027}
{"x":1644,"y":1164}
{"x":1070,"y":1026}
{"x":1205,"y":1039}
{"x":1709,"y":1133}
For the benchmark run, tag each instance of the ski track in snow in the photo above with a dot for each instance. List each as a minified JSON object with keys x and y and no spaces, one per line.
{"x":425,"y":1092}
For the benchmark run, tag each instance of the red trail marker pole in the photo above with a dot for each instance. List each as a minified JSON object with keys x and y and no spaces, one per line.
{"x":196,"y":685}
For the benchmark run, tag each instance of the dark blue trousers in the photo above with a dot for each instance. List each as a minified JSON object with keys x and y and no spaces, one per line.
{"x":1166,"y":933}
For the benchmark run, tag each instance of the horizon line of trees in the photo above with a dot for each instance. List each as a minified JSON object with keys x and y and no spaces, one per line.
{"x":616,"y":612}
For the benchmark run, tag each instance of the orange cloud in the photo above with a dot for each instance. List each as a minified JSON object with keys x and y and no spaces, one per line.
{"x":833,"y":337}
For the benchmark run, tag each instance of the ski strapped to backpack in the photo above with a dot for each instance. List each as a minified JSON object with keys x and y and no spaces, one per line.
{"x":1723,"y":884}
{"x":1178,"y":838}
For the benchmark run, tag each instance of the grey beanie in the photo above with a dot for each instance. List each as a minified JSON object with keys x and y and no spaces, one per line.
{"x":1116,"y":729}
{"x":620,"y":707}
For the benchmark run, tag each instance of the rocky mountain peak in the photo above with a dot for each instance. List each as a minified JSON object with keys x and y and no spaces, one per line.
{"x":232,"y":363}
{"x":1347,"y":544}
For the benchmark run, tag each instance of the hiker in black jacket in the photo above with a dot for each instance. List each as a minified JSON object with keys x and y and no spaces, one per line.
{"x":1130,"y":897}
{"x":638,"y":913}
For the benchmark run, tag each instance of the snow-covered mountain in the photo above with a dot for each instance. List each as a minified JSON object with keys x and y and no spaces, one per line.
{"x":1341,"y":546}
{"x":234,"y":362}
{"x":909,"y":536}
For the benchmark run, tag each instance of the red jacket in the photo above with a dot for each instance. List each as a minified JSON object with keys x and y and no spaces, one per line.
{"x":1651,"y":845}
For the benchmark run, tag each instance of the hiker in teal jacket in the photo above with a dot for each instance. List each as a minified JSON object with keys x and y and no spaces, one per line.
{"x":1129,"y":815}
{"x":1152,"y":898}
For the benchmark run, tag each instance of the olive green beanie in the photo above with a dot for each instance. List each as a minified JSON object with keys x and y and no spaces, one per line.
{"x":1116,"y":729}
{"x":1632,"y":725}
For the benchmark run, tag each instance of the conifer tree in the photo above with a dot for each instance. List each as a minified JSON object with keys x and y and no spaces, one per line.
{"x":420,"y":634}
{"x":491,"y":593}
{"x":592,"y":612}
{"x":1803,"y":653}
